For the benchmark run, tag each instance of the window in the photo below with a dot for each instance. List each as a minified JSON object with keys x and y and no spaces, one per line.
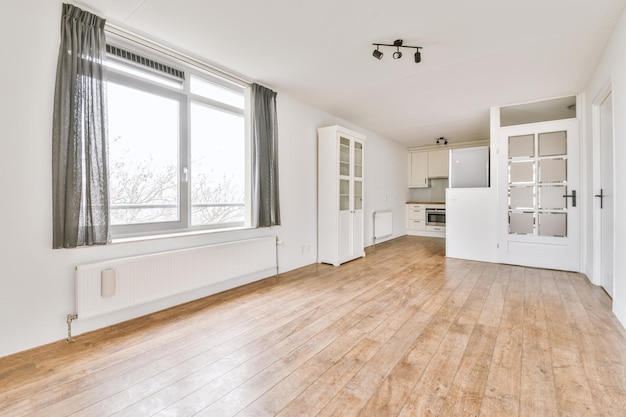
{"x":178,"y":147}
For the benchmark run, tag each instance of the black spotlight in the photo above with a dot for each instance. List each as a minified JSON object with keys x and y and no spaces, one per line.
{"x":418,"y":57}
{"x":377,"y":54}
{"x":397,"y":54}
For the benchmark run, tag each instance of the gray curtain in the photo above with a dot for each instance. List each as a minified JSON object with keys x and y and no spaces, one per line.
{"x":79,"y":139}
{"x":265,"y":156}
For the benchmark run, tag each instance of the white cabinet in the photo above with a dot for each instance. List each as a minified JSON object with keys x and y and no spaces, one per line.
{"x":415,"y":217}
{"x":438,"y":163}
{"x":418,"y":169}
{"x":417,"y":221}
{"x":427,"y":164}
{"x":340,"y":195}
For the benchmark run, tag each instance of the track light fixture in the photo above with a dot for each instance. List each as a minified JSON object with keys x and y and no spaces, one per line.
{"x":377,"y":54}
{"x":441,"y":140}
{"x":398,"y":43}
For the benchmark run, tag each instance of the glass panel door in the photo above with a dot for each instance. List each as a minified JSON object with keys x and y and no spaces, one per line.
{"x":537,"y":184}
{"x":538,"y":166}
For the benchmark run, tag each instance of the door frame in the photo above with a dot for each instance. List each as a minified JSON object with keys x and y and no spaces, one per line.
{"x":604,"y":93}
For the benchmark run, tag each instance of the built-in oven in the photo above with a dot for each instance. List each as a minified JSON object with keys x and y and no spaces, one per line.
{"x":436,"y":216}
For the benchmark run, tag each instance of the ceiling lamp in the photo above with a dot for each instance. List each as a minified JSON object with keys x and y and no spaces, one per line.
{"x":441,"y":140}
{"x":397,"y":54}
{"x":377,"y":54}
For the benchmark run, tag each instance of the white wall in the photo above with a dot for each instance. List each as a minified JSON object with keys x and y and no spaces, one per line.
{"x":471,"y":226}
{"x":36,"y":282}
{"x":610,"y":70}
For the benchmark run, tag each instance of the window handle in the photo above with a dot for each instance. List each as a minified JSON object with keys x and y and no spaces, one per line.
{"x":185,"y":174}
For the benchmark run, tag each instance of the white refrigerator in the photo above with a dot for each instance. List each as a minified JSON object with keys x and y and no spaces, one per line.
{"x":469,"y":167}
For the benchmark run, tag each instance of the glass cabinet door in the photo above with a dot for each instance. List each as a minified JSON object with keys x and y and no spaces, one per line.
{"x":357,"y":203}
{"x":344,"y":194}
{"x":358,"y":160}
{"x":358,"y":195}
{"x":344,"y":174}
{"x":344,"y":156}
{"x":350,"y":174}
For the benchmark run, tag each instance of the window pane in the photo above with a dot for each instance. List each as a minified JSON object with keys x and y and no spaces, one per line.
{"x":554,"y":143}
{"x":553,"y":170}
{"x":521,"y":197}
{"x":521,"y":146}
{"x":217,"y":92}
{"x":145,"y":74}
{"x":552,"y":197}
{"x":217,"y":166}
{"x":522,"y":172}
{"x":143,"y":156}
{"x":521,"y":223}
{"x":553,"y":224}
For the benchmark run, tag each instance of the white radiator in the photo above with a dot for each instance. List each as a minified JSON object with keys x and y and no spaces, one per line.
{"x":383,"y":224}
{"x":113,"y":285}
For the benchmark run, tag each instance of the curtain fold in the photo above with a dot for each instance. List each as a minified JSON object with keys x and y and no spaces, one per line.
{"x":265,"y":157}
{"x":79,"y":138}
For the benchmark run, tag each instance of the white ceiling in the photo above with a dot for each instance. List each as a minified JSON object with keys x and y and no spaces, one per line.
{"x":476,"y":54}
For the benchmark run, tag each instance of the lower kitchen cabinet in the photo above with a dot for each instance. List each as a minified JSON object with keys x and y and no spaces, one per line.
{"x":417,"y":225}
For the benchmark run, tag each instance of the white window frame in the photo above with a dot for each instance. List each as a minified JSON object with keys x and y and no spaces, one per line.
{"x":185,"y":98}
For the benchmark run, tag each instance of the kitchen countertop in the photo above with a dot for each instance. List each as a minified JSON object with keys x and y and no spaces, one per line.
{"x":425,"y":202}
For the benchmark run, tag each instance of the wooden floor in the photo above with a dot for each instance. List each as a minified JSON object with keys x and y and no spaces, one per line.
{"x":402,"y":332}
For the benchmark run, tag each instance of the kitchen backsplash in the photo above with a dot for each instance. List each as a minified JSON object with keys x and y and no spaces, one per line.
{"x":435,"y":193}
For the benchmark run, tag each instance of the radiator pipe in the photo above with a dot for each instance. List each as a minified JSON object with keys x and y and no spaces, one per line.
{"x":70,"y":318}
{"x":374,"y":229}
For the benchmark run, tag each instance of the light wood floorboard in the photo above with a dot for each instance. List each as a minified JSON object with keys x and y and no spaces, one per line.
{"x":402,"y":332}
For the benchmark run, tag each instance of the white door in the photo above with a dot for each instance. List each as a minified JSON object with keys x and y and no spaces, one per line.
{"x":539,"y":195}
{"x":604,"y":196}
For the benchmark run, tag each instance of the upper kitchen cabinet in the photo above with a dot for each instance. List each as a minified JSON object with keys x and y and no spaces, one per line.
{"x":418,"y":169}
{"x":433,"y":162}
{"x":425,"y":165}
{"x":438,"y":163}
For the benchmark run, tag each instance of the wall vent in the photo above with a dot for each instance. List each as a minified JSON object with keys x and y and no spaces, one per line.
{"x":142,"y":61}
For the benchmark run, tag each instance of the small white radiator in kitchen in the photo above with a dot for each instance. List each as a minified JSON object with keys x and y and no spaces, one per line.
{"x":116,"y":284}
{"x":383,"y":224}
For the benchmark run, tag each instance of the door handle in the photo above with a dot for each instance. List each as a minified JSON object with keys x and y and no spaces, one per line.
{"x":573,"y":195}
{"x":601,"y":196}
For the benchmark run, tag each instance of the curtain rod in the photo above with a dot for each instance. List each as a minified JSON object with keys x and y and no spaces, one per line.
{"x":149,"y":43}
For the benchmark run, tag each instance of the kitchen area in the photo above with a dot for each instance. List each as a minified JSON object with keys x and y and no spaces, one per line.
{"x":434,"y":169}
